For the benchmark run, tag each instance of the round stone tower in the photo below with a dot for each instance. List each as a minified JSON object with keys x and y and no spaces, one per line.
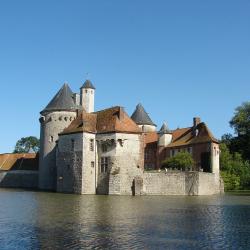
{"x":87,"y":96}
{"x":142,"y":119}
{"x":57,"y":115}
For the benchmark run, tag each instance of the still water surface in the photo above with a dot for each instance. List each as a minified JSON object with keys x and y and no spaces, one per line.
{"x":37,"y":220}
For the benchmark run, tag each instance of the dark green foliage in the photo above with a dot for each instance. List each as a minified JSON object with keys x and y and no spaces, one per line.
{"x":181,"y":161}
{"x":241,"y":124}
{"x":235,"y":170}
{"x":27,"y":144}
{"x":235,"y":151}
{"x":240,"y":121}
{"x":231,"y":181}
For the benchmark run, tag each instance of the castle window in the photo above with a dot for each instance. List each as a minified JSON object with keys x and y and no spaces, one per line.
{"x":92,"y":164}
{"x":104,"y":148}
{"x":91,"y":144}
{"x":51,"y":139}
{"x":104,"y":164}
{"x":72,"y":144}
{"x":172,"y":152}
{"x":86,"y":91}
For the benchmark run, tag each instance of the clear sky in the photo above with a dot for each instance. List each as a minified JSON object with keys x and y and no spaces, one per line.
{"x":180,"y":59}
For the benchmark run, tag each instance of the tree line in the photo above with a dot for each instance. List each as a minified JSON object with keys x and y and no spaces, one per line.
{"x":235,"y":151}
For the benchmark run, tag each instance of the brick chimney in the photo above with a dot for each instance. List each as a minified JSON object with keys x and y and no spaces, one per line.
{"x":196,"y":121}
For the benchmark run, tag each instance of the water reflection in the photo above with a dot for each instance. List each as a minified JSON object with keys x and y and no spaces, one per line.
{"x":36,"y":220}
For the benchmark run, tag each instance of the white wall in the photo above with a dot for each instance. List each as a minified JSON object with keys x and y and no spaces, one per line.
{"x":88,"y":99}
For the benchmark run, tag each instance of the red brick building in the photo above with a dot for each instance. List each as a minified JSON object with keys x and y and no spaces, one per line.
{"x":196,"y":140}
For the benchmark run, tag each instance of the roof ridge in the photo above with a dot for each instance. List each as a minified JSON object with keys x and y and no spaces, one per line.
{"x":107,"y":109}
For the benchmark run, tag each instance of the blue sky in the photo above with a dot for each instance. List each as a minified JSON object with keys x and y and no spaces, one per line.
{"x":180,"y":59}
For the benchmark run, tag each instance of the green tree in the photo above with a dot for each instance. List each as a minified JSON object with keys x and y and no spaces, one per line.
{"x":241,"y":119}
{"x":241,"y":125}
{"x":231,"y":181}
{"x":27,"y":144}
{"x":235,"y":170}
{"x":181,"y":161}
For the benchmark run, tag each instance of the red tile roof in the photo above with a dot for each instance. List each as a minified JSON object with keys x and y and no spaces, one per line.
{"x":151,"y":137}
{"x":184,"y":136}
{"x":114,"y":119}
{"x":24,"y":161}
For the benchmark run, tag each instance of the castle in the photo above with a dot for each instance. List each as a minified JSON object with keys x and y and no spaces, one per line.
{"x":108,"y":152}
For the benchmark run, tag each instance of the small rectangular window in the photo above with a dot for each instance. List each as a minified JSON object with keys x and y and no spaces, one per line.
{"x":91,"y":145}
{"x":104,"y":164}
{"x":72,"y":144}
{"x":92,"y":164}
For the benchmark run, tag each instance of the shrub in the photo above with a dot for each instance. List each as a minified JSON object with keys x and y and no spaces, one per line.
{"x":181,"y":161}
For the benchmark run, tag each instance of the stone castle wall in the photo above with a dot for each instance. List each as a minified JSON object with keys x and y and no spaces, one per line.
{"x":19,"y":179}
{"x":125,"y":162}
{"x":69,"y":164}
{"x":180,"y":183}
{"x":52,"y":124}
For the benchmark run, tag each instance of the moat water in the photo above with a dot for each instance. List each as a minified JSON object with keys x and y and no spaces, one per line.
{"x":38,"y":220}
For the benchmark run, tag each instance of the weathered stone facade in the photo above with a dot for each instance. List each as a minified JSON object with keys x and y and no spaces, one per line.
{"x":105,"y":152}
{"x":52,"y":124}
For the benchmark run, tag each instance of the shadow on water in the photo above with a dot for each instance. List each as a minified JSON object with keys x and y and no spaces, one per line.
{"x":37,"y":220}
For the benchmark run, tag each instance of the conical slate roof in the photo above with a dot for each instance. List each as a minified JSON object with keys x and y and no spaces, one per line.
{"x":141,"y":117}
{"x":164,"y":129}
{"x":88,"y":85}
{"x":63,"y":100}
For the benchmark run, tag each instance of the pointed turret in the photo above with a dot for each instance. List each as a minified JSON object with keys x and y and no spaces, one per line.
{"x":87,"y":96}
{"x":142,"y":119}
{"x":88,"y":85}
{"x":165,"y":136}
{"x":164,"y":129}
{"x":57,"y":116}
{"x":62,"y":101}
